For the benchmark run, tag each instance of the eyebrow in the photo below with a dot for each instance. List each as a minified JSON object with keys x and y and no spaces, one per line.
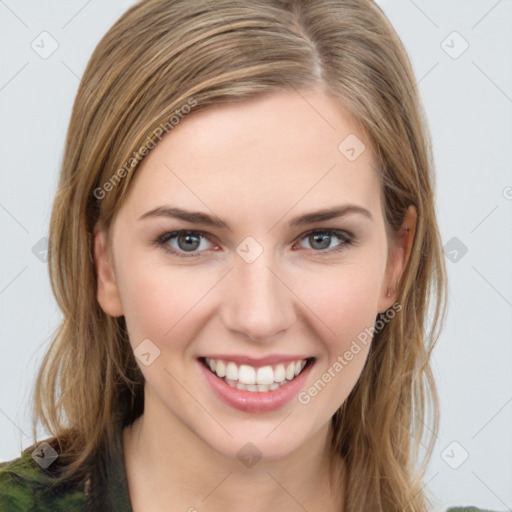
{"x":196,"y":217}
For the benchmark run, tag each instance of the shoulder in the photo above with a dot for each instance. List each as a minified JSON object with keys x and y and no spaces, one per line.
{"x":27,"y":486}
{"x":468,"y":509}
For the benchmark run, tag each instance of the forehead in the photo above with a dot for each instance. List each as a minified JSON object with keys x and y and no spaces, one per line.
{"x":267,"y":153}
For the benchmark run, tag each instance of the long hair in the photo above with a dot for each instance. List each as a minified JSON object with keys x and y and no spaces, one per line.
{"x":166,"y":58}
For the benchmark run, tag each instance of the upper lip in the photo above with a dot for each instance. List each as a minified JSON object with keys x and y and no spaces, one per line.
{"x":257,"y":362}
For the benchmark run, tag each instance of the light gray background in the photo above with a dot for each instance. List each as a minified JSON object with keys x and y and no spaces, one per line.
{"x":468,"y":98}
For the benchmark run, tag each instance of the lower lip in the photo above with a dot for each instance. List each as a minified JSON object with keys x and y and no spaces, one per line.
{"x":256,"y":401}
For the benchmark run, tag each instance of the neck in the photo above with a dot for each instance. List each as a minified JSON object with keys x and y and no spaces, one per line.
{"x":181,"y":469}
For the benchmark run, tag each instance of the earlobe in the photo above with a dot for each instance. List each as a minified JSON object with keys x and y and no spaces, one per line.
{"x":398,"y":261}
{"x":107,"y":290}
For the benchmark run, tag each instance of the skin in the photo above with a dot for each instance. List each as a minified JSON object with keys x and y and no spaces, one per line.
{"x":256,"y":165}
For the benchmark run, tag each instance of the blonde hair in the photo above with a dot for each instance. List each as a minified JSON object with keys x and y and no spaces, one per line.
{"x":164,"y":54}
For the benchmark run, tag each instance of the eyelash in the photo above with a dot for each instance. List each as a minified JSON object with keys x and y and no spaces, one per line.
{"x":346,"y":238}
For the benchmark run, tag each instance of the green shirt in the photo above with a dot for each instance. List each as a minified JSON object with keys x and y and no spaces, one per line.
{"x":24,"y":487}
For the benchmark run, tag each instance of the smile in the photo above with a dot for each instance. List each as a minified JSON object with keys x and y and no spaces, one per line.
{"x":249,"y":378}
{"x":263,"y":386}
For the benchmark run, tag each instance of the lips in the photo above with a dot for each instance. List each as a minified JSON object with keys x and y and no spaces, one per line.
{"x":257,"y":397}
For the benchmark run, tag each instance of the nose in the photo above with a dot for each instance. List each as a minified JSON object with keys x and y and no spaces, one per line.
{"x":258,"y":302}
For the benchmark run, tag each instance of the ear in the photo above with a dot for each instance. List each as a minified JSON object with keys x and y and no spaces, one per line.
{"x":398,"y":258}
{"x":107,"y":291}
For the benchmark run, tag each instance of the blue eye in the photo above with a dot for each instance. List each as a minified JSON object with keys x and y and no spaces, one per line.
{"x":321,"y":240}
{"x":188,"y":243}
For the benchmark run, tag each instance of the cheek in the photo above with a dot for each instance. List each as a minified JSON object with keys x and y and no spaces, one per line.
{"x":345,"y":305}
{"x":344,"y":299}
{"x":158,"y":302}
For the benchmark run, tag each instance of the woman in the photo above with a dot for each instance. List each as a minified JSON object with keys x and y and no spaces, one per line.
{"x":244,"y":247}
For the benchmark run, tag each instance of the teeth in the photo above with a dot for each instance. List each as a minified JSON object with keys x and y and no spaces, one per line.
{"x":290,"y":371}
{"x":253,"y":387}
{"x":279,"y":373}
{"x":231,"y":371}
{"x":265,"y":375}
{"x":246,"y":374}
{"x":249,"y":378}
{"x":220,"y":368}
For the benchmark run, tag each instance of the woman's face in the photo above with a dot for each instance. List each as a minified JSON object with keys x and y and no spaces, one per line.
{"x":250,"y":284}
